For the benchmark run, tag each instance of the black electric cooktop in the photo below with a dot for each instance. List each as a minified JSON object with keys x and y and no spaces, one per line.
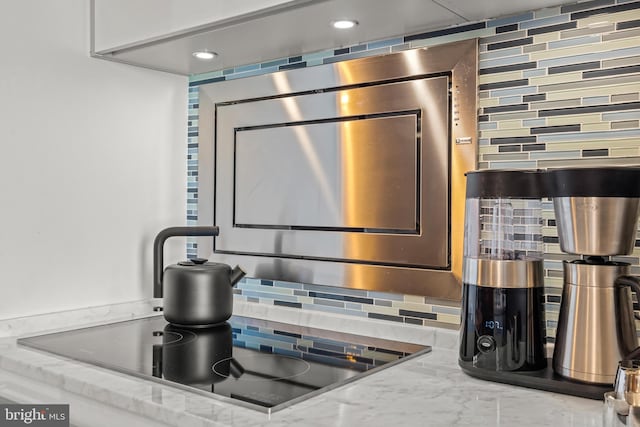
{"x":257,"y":363}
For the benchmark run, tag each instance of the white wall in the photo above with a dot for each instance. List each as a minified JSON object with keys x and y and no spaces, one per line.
{"x":92,"y":164}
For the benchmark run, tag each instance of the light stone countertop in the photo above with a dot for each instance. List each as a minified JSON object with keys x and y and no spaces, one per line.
{"x":428,"y":390}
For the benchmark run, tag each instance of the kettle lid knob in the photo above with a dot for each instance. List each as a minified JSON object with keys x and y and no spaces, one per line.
{"x":193,"y":261}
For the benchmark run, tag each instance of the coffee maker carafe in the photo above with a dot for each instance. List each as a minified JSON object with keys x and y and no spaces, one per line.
{"x":502,"y":305}
{"x":596,"y":212}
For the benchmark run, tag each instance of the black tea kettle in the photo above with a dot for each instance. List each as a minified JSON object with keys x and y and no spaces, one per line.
{"x":196,"y":293}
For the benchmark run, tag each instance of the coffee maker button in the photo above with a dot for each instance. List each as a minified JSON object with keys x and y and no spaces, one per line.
{"x":486,"y":344}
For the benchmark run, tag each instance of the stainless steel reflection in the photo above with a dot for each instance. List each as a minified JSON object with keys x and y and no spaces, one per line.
{"x":602,"y":226}
{"x":345,"y":174}
{"x":595,"y":326}
{"x":503,"y":273}
{"x":627,"y":381}
{"x":352,"y":175}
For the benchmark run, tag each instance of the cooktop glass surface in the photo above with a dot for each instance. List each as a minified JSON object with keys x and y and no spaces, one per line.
{"x":257,"y":363}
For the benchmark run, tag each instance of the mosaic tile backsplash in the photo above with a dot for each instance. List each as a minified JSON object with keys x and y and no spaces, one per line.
{"x":558,"y":87}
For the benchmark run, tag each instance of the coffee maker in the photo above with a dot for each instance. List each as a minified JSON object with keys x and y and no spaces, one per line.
{"x":503,"y":318}
{"x":596,"y":212}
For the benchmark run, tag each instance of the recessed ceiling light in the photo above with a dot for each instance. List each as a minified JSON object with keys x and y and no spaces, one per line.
{"x":205,"y":55}
{"x":344,"y":24}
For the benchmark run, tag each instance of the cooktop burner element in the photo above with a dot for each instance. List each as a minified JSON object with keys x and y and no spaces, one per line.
{"x":256,"y":363}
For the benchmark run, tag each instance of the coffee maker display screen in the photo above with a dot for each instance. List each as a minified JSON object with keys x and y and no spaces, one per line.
{"x":503,"y":328}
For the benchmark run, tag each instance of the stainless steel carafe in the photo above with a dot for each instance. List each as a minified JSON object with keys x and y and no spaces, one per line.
{"x":596,"y":327}
{"x":596,"y":212}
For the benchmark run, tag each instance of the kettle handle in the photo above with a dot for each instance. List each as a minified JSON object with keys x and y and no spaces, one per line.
{"x":634,"y":283}
{"x":158,"y":249}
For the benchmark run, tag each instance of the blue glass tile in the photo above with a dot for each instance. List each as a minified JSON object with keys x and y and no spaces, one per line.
{"x":589,"y":136}
{"x":507,"y":68}
{"x":384,"y":43}
{"x":504,"y":61}
{"x":510,"y":20}
{"x":500,"y":53}
{"x":544,"y":21}
{"x":534,"y":122}
{"x":510,"y":100}
{"x":565,"y":60}
{"x":211,"y":80}
{"x":269,"y":295}
{"x":271,"y":64}
{"x":401,"y":47}
{"x":353,"y":306}
{"x":328,"y":302}
{"x":246,"y":68}
{"x":626,"y":115}
{"x":484,"y":141}
{"x":341,"y":297}
{"x":553,"y":265}
{"x":317,"y":55}
{"x":334,"y":290}
{"x":488,"y":126}
{"x":362,"y":54}
{"x":595,"y":100}
{"x":446,"y":310}
{"x":534,"y":73}
{"x":526,"y":90}
{"x":521,"y":164}
{"x":288,"y":285}
{"x":383,"y":303}
{"x":577,"y":41}
{"x":385,"y":295}
{"x":358,"y":48}
{"x":333,"y":310}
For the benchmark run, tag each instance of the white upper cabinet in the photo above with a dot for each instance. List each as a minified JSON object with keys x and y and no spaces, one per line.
{"x":125,"y":22}
{"x":164,"y":34}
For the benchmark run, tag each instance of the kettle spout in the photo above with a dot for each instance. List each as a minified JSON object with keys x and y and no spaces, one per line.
{"x":236,"y":274}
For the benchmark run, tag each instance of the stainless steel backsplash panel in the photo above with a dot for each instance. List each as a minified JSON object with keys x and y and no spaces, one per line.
{"x":348,"y":174}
